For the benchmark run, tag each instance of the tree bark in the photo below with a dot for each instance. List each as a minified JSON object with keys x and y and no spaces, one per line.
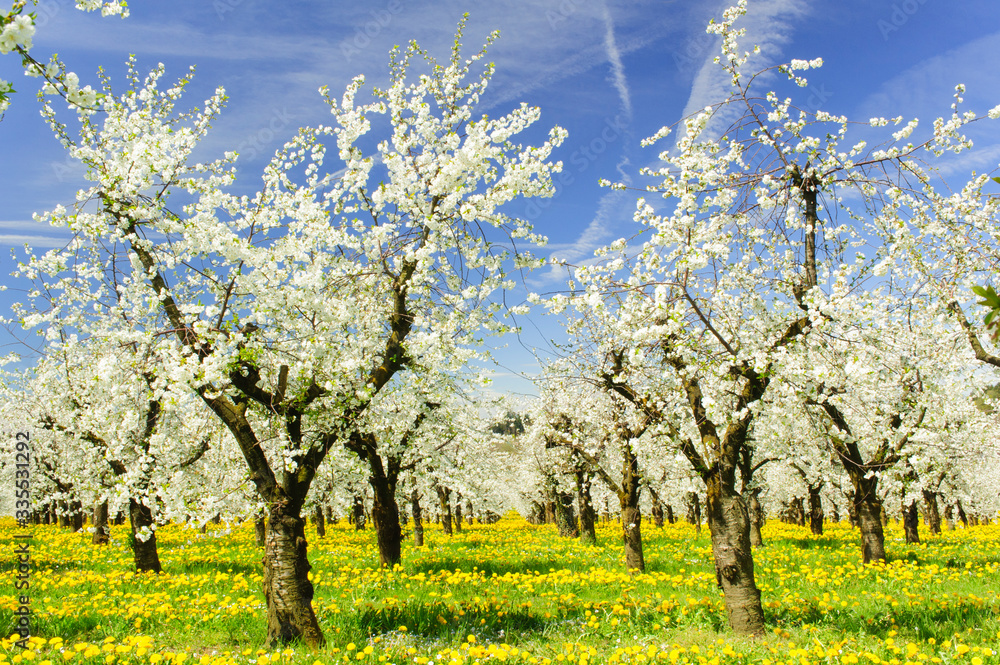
{"x":756,"y":520}
{"x":385,"y":515}
{"x":632,"y":537}
{"x":458,"y":513}
{"x":76,"y":515}
{"x":628,"y":499}
{"x":949,"y":517}
{"x":101,"y":531}
{"x":694,"y":512}
{"x":358,"y":513}
{"x":320,"y":521}
{"x":418,"y":520}
{"x":933,"y":511}
{"x":868,"y":508}
{"x":444,"y":504}
{"x":287,"y":588}
{"x":670,"y":514}
{"x":565,"y":516}
{"x":798,"y":511}
{"x":145,"y":554}
{"x":588,"y":534}
{"x":550,"y":511}
{"x":911,"y":521}
{"x":729,"y":522}
{"x":657,"y":510}
{"x":260,"y":529}
{"x":468,"y":512}
{"x":963,"y":518}
{"x":816,"y":510}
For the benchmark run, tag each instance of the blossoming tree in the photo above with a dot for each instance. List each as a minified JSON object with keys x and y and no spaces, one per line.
{"x":289,"y":311}
{"x":760,"y":246}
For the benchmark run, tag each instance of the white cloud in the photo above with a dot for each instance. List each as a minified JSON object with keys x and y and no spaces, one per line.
{"x":615,"y":58}
{"x":27,"y":231}
{"x":925,"y":90}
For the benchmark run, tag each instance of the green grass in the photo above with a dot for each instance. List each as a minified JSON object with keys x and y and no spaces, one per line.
{"x":523,"y":589}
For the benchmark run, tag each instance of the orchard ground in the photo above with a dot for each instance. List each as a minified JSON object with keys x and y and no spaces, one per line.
{"x":512,"y":592}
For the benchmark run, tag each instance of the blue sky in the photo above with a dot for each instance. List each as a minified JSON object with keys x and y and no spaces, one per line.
{"x":611,"y":72}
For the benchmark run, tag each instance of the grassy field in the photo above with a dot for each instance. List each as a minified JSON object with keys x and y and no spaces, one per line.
{"x":512,"y":592}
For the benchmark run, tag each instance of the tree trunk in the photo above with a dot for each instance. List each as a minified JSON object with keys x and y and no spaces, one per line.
{"x":868,"y":508}
{"x":550,"y":511}
{"x":144,"y":552}
{"x":933,"y":512}
{"x":565,"y":517}
{"x":694,"y":512}
{"x":458,"y":513}
{"x":358,"y":512}
{"x":949,"y":517}
{"x":260,"y":528}
{"x":798,"y":511}
{"x":588,"y":532}
{"x":418,"y":520}
{"x":963,"y":518}
{"x":320,"y":521}
{"x":468,"y":512}
{"x":632,"y":536}
{"x":729,"y":523}
{"x":628,"y":500}
{"x":657,"y":510}
{"x":670,"y":514}
{"x":444,"y":504}
{"x":101,"y":531}
{"x":756,"y":520}
{"x":287,"y":589}
{"x":911,"y":520}
{"x":815,"y":511}
{"x":76,"y":516}
{"x":385,"y":515}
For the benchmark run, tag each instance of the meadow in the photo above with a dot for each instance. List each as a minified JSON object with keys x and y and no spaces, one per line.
{"x":511,"y":592}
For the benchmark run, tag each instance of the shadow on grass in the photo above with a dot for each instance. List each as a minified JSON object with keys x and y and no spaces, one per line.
{"x":488,"y":568}
{"x":434,"y":620}
{"x":939,"y":622}
{"x":815,"y":542}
